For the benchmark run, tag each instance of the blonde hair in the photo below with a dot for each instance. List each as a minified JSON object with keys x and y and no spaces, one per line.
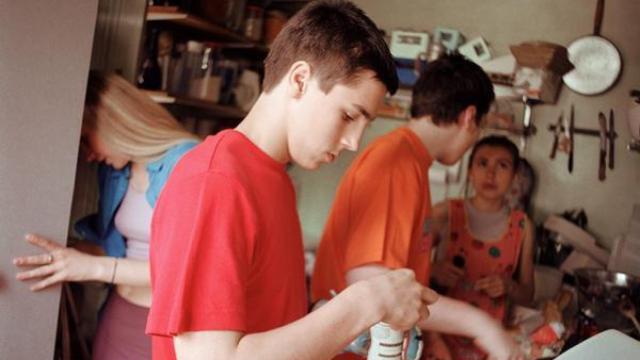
{"x":129,"y":121}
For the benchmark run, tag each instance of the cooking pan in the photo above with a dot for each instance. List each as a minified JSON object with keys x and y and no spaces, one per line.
{"x":596,"y":60}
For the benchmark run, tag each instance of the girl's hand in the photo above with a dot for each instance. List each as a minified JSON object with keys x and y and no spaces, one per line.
{"x":494,"y":285}
{"x":446,"y":274}
{"x":58,"y":264}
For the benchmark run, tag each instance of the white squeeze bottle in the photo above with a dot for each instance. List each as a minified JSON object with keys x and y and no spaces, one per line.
{"x":386,"y":343}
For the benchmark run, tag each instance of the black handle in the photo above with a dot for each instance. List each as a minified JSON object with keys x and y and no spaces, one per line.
{"x":601,"y":169}
{"x":597,"y":23}
{"x":612,"y":136}
{"x":571,"y":140}
{"x":602,"y":122}
{"x":554,"y":147}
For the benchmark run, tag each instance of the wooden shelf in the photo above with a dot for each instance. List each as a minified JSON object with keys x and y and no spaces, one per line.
{"x":174,"y":16}
{"x":206,"y":107}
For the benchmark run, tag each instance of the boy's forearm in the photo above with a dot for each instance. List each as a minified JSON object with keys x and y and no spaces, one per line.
{"x":319,"y":335}
{"x":455,"y":317}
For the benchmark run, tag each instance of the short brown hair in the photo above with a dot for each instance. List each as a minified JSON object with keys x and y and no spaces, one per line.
{"x":448,"y":86}
{"x":337,"y":39}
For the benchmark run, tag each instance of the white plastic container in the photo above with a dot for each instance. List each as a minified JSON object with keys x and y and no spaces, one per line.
{"x":386,"y":343}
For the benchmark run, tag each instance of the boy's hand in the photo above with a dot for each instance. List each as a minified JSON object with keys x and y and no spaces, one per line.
{"x":499,"y":345}
{"x":446,"y":274}
{"x":402,"y":300}
{"x":494,"y":286}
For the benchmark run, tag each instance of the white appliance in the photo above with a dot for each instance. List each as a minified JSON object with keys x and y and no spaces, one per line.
{"x":607,"y":345}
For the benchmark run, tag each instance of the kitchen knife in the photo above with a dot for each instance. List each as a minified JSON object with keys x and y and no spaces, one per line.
{"x":602,"y":120}
{"x":570,"y":133}
{"x":556,"y":136}
{"x":612,"y":135}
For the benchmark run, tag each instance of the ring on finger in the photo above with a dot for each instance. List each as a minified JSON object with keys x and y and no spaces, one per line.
{"x":50,"y":259}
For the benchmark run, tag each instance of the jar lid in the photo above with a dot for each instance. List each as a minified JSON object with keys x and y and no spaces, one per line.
{"x":194,"y":46}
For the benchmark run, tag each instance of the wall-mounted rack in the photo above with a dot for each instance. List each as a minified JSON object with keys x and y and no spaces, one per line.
{"x":566,"y":130}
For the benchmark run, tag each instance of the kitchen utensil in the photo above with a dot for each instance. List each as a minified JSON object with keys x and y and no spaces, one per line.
{"x":602,"y":122}
{"x":612,"y":136}
{"x":571,"y":128}
{"x":627,"y":309}
{"x":556,"y":135}
{"x":597,"y":61}
{"x":600,"y":294}
{"x":527,"y":114}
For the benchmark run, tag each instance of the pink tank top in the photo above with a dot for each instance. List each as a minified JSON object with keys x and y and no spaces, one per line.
{"x":133,"y":221}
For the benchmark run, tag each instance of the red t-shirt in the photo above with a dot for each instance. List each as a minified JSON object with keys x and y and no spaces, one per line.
{"x":226,"y":245}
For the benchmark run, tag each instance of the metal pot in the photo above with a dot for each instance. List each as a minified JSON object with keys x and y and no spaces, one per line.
{"x":601,"y":294}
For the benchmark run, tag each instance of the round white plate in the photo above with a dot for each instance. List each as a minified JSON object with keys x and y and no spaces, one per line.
{"x":597,"y":65}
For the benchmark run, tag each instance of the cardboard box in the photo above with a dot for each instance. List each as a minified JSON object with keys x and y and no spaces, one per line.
{"x":539,"y":71}
{"x":543,"y":55}
{"x":537,"y":83}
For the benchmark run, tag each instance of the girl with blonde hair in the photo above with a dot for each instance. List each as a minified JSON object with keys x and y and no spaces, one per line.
{"x":137,"y":143}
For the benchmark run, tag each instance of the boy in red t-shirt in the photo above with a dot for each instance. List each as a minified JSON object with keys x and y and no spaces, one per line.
{"x":227,"y":265}
{"x":378,"y":215}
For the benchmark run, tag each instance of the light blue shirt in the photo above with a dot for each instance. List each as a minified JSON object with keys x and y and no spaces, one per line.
{"x":100,"y":228}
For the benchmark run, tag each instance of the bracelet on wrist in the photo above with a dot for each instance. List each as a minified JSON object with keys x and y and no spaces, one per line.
{"x":113,"y":273}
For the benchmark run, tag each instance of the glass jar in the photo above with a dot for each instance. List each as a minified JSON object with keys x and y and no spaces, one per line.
{"x":205,"y":84}
{"x":195,"y":74}
{"x":188,"y":59}
{"x":253,"y":22}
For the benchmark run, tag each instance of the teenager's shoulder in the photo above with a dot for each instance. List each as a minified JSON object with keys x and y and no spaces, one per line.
{"x":223,"y":146}
{"x":229,"y":155}
{"x":393,"y":149}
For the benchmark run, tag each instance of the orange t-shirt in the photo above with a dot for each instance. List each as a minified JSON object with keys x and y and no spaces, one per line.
{"x":378,"y":214}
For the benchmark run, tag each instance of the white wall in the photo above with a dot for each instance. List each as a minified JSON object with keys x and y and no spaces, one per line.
{"x":503,"y":22}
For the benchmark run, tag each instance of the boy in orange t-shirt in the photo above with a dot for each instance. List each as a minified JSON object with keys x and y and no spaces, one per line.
{"x":377,"y":219}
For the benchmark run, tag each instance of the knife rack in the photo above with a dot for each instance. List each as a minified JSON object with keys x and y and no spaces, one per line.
{"x":606,"y":133}
{"x":611,"y":135}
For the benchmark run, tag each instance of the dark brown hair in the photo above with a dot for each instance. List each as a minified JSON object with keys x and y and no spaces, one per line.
{"x":337,"y":39}
{"x":448,"y":86}
{"x":497,"y":141}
